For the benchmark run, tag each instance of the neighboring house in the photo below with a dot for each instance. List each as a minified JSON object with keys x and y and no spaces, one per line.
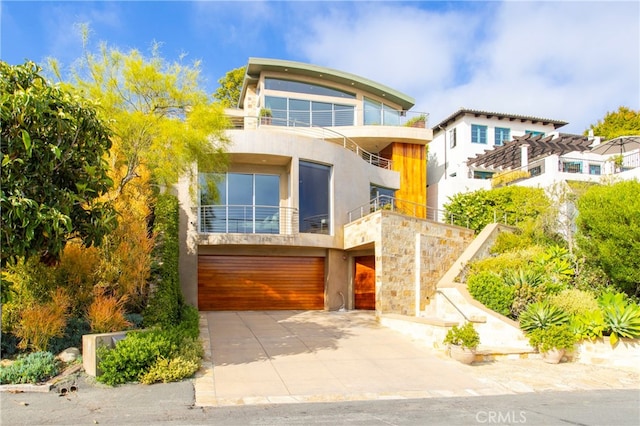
{"x":310,"y":148}
{"x":542,"y":161}
{"x":465,"y":134}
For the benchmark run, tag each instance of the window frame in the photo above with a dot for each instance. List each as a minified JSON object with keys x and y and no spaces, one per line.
{"x":499,"y":132}
{"x":479,"y":134}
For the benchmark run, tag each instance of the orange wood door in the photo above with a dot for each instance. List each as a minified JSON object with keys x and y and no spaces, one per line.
{"x":245,"y":283}
{"x":364,"y":282}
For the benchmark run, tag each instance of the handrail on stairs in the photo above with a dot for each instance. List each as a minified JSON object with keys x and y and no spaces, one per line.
{"x":453,"y":304}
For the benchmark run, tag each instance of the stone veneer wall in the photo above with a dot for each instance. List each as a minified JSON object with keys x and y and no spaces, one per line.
{"x":396,"y":237}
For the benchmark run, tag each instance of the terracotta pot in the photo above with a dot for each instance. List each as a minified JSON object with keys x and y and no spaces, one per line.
{"x":553,"y":356}
{"x":463,"y":355}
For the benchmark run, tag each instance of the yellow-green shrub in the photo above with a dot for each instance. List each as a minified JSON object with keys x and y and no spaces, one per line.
{"x":574,"y":301}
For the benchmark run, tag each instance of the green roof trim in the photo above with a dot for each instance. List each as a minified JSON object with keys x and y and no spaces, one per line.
{"x":256,"y":66}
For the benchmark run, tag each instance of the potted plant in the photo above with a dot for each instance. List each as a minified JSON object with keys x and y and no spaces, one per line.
{"x":553,"y":341}
{"x":463,"y":342}
{"x":265,"y":116}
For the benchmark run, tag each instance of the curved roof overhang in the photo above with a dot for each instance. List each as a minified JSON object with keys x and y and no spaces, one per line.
{"x":256,"y":66}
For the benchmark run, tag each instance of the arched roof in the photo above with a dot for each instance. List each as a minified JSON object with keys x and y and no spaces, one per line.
{"x":256,"y":66}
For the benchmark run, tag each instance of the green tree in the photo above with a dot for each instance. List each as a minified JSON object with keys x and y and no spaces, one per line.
{"x":54,"y":170}
{"x":230,"y":85}
{"x":624,"y":122}
{"x":609,"y":232}
{"x":512,"y":205}
{"x":161,"y":118}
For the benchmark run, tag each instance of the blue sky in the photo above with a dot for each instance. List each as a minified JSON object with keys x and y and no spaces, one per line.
{"x":565,"y":60}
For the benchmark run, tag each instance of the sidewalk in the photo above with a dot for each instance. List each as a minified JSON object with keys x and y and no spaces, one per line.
{"x":311,"y":356}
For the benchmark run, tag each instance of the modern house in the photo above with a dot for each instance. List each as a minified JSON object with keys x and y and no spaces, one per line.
{"x":465,"y":134}
{"x":306,"y":217}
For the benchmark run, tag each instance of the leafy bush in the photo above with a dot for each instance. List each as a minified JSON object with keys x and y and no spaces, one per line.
{"x":137,"y":356}
{"x":166,"y":300}
{"x":557,"y":336}
{"x":541,"y":315}
{"x":621,"y":319}
{"x":510,"y":261}
{"x":36,"y":367}
{"x":511,"y":205}
{"x":490,"y":290}
{"x":465,"y":336}
{"x":574,"y":301}
{"x":610,"y":241}
{"x":106,"y":314}
{"x":165,"y":370}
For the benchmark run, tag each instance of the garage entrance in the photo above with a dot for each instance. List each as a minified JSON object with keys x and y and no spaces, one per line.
{"x":260,"y":283}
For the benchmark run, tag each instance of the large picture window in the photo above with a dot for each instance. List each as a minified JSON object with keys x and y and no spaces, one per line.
{"x":314,"y":191}
{"x":304,"y":113}
{"x":246,"y":203}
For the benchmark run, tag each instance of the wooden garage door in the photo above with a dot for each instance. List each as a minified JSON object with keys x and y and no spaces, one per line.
{"x":237,"y":283}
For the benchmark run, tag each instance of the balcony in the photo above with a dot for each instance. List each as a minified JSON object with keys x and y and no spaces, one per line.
{"x":247,"y":219}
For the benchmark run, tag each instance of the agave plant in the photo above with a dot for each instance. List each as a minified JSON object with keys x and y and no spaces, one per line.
{"x":588,"y":325}
{"x":620,"y":319}
{"x":542,"y":315}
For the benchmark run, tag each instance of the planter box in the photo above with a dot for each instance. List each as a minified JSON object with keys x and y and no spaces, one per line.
{"x":599,"y":352}
{"x":90,"y":344}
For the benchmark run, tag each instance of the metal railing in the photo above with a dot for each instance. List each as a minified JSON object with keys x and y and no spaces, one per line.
{"x":247,"y":219}
{"x":328,"y":135}
{"x":409,"y":208}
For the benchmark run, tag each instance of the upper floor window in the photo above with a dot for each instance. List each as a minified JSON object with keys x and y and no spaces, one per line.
{"x":534,"y":133}
{"x":302,"y":112}
{"x":502,"y":135}
{"x":478,"y":134}
{"x":378,"y":113}
{"x":306,"y":88}
{"x":452,"y":138}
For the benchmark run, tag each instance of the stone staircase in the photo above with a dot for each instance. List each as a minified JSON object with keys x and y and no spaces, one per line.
{"x":452,"y":305}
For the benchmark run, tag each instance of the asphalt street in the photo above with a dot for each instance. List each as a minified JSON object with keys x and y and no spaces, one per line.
{"x":173,"y":404}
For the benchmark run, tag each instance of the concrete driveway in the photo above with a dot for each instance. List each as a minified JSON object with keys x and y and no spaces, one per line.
{"x":296,"y":356}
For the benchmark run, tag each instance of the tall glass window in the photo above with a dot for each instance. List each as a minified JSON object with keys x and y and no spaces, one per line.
{"x":314,"y":192}
{"x":246,"y":203}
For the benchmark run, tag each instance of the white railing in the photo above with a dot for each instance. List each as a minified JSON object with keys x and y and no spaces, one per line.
{"x":247,"y":219}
